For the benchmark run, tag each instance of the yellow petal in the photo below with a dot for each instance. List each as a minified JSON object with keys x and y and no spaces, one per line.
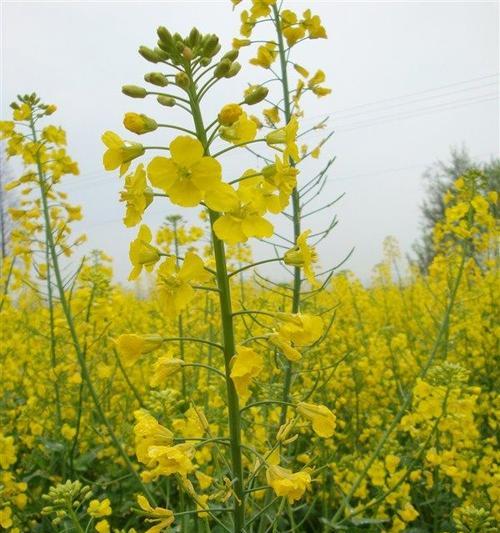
{"x":186,"y":151}
{"x":162,"y":172}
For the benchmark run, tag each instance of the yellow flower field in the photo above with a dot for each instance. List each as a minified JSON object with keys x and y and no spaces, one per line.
{"x":225,"y":400}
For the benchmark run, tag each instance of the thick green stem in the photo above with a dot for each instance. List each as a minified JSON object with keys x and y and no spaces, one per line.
{"x":295,"y":202}
{"x":228,"y":340}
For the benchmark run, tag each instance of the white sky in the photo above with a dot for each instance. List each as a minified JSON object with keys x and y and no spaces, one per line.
{"x":409,"y":80}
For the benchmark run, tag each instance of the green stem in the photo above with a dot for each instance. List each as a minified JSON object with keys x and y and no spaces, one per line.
{"x":228,"y":340}
{"x":295,"y":202}
{"x":69,"y":319}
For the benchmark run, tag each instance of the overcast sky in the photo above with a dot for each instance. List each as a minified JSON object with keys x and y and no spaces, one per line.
{"x":409,"y":79}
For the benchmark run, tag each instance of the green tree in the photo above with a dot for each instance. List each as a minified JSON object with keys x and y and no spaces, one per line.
{"x":439,"y":177}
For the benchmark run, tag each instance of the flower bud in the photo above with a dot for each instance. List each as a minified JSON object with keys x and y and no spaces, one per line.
{"x":255,"y":94}
{"x":134,"y":91}
{"x":229,"y":114}
{"x":187,"y":53}
{"x":148,"y":54}
{"x":156,"y":78}
{"x":234,"y":69}
{"x":182,"y":80}
{"x":222,"y":68}
{"x":211,"y":46}
{"x":167,"y":101}
{"x":166,"y":41}
{"x":231,"y":55}
{"x":194,"y":37}
{"x":139,"y":123}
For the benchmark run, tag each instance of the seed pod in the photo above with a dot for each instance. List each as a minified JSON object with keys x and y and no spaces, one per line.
{"x":156,"y":78}
{"x":134,"y":91}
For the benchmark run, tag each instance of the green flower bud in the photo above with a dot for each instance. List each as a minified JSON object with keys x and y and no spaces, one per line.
{"x":148,"y":54}
{"x":156,"y":78}
{"x":134,"y":91}
{"x":210,"y":47}
{"x":222,"y":68}
{"x":194,"y":37}
{"x":205,"y":61}
{"x":255,"y":94}
{"x":162,"y":55}
{"x":167,"y":101}
{"x":231,"y":55}
{"x":166,"y":41}
{"x":187,"y":53}
{"x":182,"y":80}
{"x":235,"y":68}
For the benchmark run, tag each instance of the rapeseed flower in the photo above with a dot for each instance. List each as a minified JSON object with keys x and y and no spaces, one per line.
{"x":187,"y":175}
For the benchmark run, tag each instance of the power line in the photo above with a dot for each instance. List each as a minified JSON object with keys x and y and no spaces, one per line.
{"x":408,"y":95}
{"x":426,"y":111}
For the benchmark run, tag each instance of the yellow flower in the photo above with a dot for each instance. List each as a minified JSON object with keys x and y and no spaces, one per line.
{"x":323,"y":420}
{"x":271,"y":115}
{"x":286,"y":136}
{"x":408,"y":513}
{"x":169,"y":460}
{"x":6,"y":129}
{"x":301,"y":70}
{"x":7,"y":451}
{"x":304,"y":256}
{"x":239,"y":225}
{"x":119,"y":153}
{"x":283,"y":344}
{"x":229,"y":114}
{"x":204,"y":480}
{"x":54,"y":135}
{"x":98,"y":509}
{"x":243,"y":130}
{"x":266,"y":54}
{"x":301,"y":328}
{"x":247,"y":24}
{"x":142,"y":253}
{"x":245,"y":365}
{"x":291,"y":30}
{"x":313,"y":25}
{"x":283,"y":177}
{"x":288,"y":484}
{"x":174,"y":284}
{"x":131,"y":346}
{"x":164,"y":518}
{"x":163,"y":367}
{"x":148,"y":432}
{"x":261,"y":8}
{"x":22,"y":113}
{"x":187,"y":175}
{"x":138,"y":123}
{"x":102,"y":527}
{"x":68,"y":432}
{"x":240,"y":43}
{"x":6,"y":517}
{"x":136,"y":195}
{"x":314,"y":84}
